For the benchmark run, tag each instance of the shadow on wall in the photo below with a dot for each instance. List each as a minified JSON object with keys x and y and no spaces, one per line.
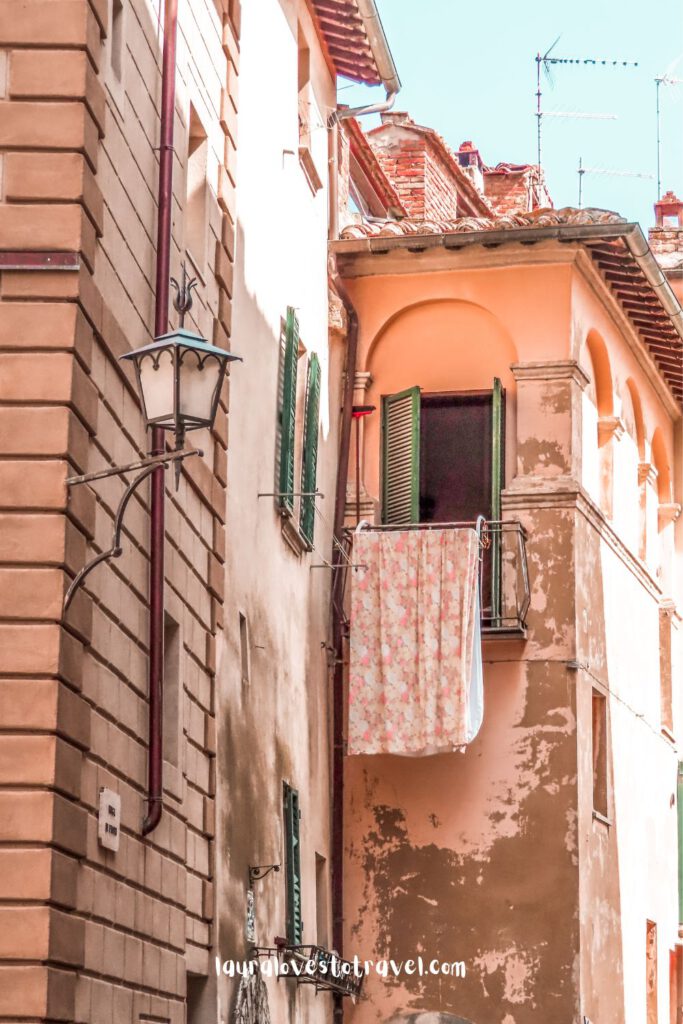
{"x":428,"y":1018}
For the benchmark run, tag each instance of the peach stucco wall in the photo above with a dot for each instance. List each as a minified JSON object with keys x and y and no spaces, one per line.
{"x":494,"y":856}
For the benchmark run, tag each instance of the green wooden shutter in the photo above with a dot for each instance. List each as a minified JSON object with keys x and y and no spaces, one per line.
{"x":309,"y":462}
{"x":288,"y":412}
{"x":292,"y":816}
{"x":497,"y":478}
{"x":401,"y":457}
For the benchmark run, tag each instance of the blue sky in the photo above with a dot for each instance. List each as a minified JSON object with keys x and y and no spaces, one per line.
{"x":467,"y":69}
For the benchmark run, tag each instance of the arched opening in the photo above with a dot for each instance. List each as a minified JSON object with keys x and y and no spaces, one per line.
{"x":633,"y":417}
{"x":442,"y":346}
{"x":660,"y":460}
{"x":627,"y":497}
{"x":598,"y":422}
{"x":664,"y":516}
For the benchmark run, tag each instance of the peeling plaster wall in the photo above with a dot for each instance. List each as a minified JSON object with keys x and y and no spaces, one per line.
{"x":493,"y":856}
{"x":628,"y":867}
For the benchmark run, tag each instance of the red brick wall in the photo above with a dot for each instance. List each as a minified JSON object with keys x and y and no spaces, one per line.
{"x":424,"y":183}
{"x":87,"y":935}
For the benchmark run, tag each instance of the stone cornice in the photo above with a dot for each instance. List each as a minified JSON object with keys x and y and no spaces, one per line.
{"x":564,"y":493}
{"x":556,"y":369}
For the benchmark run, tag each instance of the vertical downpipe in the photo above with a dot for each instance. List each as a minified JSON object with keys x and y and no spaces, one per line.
{"x":338,"y":637}
{"x":156,"y":547}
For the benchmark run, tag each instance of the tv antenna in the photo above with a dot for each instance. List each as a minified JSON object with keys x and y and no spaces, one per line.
{"x":612,"y":173}
{"x":546,"y":62}
{"x":665,"y":79}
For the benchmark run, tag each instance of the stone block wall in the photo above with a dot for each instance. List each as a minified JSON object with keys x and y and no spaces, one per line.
{"x":88,"y":935}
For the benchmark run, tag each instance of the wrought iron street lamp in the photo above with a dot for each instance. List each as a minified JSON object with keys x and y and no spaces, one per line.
{"x":179,"y":379}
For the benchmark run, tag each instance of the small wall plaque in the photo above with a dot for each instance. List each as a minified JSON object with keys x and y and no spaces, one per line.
{"x":109,"y":820}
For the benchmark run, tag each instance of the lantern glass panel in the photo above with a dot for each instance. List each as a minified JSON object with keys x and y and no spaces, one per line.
{"x":156,"y":381}
{"x":199,"y":378}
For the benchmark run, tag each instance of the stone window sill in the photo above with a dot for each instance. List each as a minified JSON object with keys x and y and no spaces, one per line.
{"x":293,"y":537}
{"x":602,"y":818}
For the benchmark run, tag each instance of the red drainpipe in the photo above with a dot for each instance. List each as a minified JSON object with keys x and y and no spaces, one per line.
{"x":338,"y":635}
{"x":156,"y":546}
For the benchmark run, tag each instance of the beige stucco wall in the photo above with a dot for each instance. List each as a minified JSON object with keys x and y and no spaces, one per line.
{"x":275,"y":727}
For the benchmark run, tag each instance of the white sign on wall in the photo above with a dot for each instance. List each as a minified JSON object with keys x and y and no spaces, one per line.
{"x":109,"y":820}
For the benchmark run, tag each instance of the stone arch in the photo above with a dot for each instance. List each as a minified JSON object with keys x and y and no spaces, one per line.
{"x":660,"y":460}
{"x":601,"y":389}
{"x":627,"y":456}
{"x":633,"y":416}
{"x":598,"y":422}
{"x":445,"y":314}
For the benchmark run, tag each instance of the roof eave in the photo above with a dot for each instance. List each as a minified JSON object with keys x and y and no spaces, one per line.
{"x":630,"y":233}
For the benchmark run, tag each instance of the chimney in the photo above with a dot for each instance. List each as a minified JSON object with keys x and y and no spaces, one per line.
{"x":472,"y":164}
{"x":397,"y":117}
{"x":669,"y":212}
{"x":417,"y":165}
{"x":666,"y":240}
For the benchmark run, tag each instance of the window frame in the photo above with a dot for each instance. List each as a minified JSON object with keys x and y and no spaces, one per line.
{"x":294,"y":927}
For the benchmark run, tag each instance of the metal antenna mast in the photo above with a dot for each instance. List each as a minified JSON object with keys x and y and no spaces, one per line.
{"x":546,"y":61}
{"x":581,"y":170}
{"x":665,"y":79}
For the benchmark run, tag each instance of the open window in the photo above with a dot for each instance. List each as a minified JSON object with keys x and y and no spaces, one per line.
{"x":442,"y":462}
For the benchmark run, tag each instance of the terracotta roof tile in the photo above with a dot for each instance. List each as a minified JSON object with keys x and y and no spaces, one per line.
{"x":346,"y":40}
{"x":537,"y":218}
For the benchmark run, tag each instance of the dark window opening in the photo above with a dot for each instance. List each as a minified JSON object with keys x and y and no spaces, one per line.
{"x":442,"y":462}
{"x":599,"y":744}
{"x":292,"y":816}
{"x":455,"y":457}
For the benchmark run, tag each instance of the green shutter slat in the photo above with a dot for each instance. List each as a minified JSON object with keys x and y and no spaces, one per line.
{"x":401,"y":457}
{"x":309,"y":462}
{"x":497,"y":475}
{"x":295,"y":927}
{"x":288,"y":413}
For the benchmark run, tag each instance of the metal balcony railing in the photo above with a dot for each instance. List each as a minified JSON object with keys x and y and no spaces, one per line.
{"x":504,"y":581}
{"x":314,"y":965}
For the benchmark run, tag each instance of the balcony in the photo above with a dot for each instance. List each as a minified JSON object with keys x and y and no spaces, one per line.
{"x":504,"y":580}
{"x":314,"y":965}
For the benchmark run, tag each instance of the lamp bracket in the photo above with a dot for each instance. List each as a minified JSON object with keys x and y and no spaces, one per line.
{"x":259,"y":871}
{"x":147,"y":467}
{"x":182,"y":300}
{"x":153,"y":460}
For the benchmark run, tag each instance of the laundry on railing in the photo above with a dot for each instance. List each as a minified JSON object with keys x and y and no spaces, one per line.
{"x":415,"y":679}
